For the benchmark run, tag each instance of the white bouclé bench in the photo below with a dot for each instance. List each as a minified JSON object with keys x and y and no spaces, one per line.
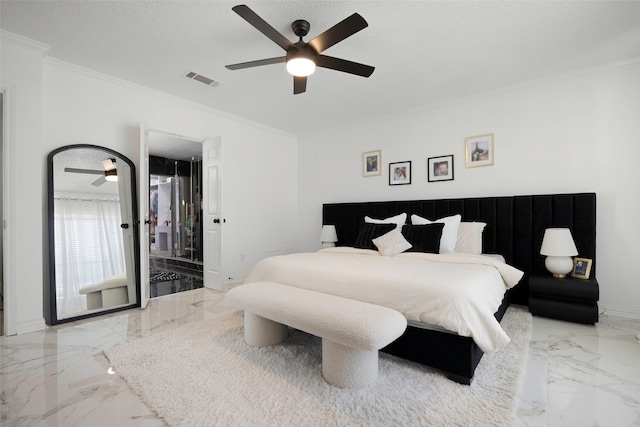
{"x":352,"y":331}
{"x":107,"y":293}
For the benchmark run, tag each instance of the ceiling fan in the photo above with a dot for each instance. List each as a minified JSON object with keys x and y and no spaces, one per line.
{"x":108,"y":174}
{"x":302,"y":58}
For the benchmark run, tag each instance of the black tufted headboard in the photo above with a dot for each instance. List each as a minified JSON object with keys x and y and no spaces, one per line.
{"x":515,"y":224}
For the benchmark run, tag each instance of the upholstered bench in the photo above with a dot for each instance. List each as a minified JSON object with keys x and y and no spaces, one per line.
{"x":352,"y":331}
{"x":107,"y":293}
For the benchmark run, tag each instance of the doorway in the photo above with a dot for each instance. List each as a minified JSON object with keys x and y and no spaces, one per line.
{"x":175,"y":208}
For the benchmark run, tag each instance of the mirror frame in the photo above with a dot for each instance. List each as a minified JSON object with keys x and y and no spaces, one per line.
{"x":51,"y":310}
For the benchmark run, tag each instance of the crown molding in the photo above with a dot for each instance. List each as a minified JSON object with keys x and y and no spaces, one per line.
{"x":24,"y":41}
{"x":96,"y":75}
{"x":533,"y":83}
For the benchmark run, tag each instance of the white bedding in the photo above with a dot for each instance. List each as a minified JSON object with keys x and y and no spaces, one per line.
{"x":459,"y":292}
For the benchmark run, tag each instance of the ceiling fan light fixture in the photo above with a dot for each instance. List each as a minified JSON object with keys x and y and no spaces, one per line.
{"x":301,"y":66}
{"x":303,"y":57}
{"x":111,"y":175}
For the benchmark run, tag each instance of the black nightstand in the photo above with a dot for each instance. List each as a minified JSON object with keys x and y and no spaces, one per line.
{"x":575,"y":300}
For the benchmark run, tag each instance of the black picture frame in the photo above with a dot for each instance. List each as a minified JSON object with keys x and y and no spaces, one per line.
{"x":400,"y":173}
{"x":440,"y":168}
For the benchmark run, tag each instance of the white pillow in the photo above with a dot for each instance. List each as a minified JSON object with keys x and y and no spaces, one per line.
{"x":400,"y":220}
{"x":470,"y":237}
{"x":392,"y":243}
{"x":449,"y":232}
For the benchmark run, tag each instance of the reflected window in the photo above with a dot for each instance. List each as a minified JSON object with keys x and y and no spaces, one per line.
{"x":88,"y":247}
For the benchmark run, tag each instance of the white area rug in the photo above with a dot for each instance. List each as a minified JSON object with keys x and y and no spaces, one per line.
{"x":203,"y":374}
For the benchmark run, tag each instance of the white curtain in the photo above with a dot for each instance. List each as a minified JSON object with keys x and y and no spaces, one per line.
{"x":88,"y":248}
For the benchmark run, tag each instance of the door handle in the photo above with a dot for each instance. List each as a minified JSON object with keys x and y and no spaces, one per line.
{"x":216,"y":221}
{"x":125,"y":226}
{"x":147,"y":221}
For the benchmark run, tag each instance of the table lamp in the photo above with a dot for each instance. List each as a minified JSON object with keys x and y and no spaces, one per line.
{"x":558,"y":246}
{"x":328,"y":236}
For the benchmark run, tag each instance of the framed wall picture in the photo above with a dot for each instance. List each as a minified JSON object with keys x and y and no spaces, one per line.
{"x":372,"y":163}
{"x":581,"y":268}
{"x":440,"y":168}
{"x":479,"y":150}
{"x":400,"y":173}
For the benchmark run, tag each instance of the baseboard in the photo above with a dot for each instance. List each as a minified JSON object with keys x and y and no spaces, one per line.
{"x":30,"y":326}
{"x":622,"y":312}
{"x":222,"y":288}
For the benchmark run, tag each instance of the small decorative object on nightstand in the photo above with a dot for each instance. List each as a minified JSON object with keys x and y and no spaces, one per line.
{"x":559,"y":247}
{"x":328,"y":236}
{"x":581,"y":268}
{"x":571,"y":299}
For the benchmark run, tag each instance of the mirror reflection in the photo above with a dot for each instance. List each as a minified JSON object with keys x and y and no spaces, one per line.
{"x":93,"y":240}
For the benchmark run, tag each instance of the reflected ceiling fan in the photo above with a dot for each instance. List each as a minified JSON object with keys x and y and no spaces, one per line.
{"x":108,"y":174}
{"x":302,"y":58}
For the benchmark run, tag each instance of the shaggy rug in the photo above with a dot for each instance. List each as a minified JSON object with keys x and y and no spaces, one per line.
{"x":203,"y":374}
{"x":157,"y":276}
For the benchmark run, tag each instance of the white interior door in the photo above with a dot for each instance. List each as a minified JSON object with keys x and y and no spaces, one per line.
{"x":128,"y":236}
{"x":143,"y":209}
{"x":213,"y":220}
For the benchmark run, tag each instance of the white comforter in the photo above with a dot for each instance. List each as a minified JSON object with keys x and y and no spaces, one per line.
{"x":459,"y":292}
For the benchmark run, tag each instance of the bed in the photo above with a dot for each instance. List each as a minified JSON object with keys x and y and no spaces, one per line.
{"x":513,"y":232}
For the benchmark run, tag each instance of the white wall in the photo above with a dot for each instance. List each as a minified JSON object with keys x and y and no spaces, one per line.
{"x":574,"y":133}
{"x":57,"y":104}
{"x":21,"y":78}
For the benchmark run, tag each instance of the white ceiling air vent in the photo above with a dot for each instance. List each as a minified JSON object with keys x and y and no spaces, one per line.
{"x":202,"y":79}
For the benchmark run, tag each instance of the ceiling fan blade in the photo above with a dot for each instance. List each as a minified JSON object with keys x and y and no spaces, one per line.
{"x":261,"y":25}
{"x":91,"y":171}
{"x":344,"y":65}
{"x":109,"y":164}
{"x":257,"y":63}
{"x":338,"y":32}
{"x":299,"y":84}
{"x":98,"y":182}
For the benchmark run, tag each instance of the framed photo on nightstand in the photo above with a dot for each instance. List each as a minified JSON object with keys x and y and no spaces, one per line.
{"x":581,"y":268}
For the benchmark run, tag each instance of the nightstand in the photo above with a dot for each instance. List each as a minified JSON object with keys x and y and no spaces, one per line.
{"x":574,"y":300}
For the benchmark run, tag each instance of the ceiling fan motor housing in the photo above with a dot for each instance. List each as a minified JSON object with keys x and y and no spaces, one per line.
{"x":300,"y":28}
{"x":301,"y":50}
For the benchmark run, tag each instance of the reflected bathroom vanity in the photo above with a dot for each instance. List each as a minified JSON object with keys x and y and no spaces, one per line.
{"x":93,"y":233}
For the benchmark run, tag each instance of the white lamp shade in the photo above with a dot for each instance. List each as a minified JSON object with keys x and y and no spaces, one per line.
{"x":559,"y":247}
{"x":328,"y":234}
{"x":558,"y":242}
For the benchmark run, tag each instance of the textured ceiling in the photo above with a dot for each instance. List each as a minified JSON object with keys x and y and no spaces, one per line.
{"x":424,"y":52}
{"x":82,"y":158}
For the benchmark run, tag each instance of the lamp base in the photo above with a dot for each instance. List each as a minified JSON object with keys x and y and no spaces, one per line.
{"x":559,"y":266}
{"x":559,"y":276}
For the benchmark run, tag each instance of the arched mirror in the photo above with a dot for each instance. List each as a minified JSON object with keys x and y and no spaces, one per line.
{"x":93,"y":233}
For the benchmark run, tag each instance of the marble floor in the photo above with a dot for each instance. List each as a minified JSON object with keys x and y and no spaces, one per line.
{"x":576,"y":375}
{"x":190,"y":275}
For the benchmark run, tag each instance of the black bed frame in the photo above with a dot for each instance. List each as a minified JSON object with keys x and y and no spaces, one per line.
{"x":515,"y":227}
